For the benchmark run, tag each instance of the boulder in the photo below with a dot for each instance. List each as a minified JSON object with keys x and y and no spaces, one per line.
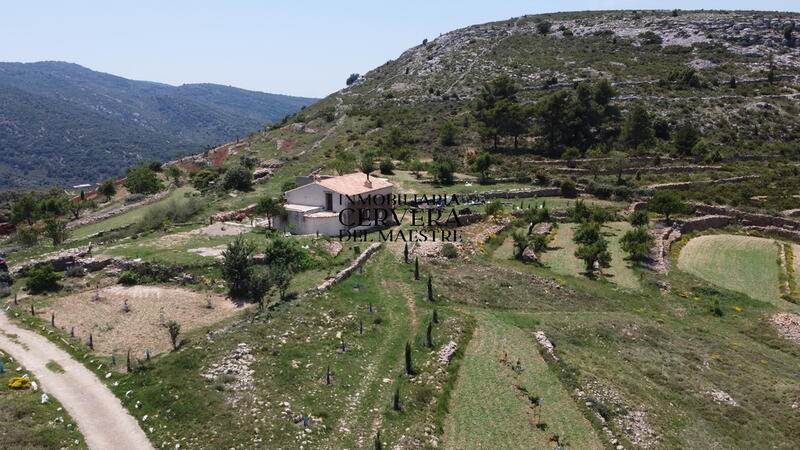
{"x":528,"y":255}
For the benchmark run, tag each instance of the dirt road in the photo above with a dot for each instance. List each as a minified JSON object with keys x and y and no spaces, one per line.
{"x":105,"y":424}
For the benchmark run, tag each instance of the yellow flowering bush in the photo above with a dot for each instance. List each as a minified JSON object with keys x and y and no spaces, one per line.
{"x":19,"y":383}
{"x":738,"y":309}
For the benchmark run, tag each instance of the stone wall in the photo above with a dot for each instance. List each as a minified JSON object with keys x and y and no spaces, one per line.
{"x":103,"y":215}
{"x":699,"y":184}
{"x":748,"y":218}
{"x":344,"y":273}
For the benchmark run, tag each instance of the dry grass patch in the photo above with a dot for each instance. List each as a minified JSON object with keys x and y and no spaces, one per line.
{"x":140,"y":329}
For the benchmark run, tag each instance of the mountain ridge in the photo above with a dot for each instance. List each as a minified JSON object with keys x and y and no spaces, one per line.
{"x":160,"y":120}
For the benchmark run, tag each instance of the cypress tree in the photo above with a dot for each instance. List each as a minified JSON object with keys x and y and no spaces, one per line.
{"x":378,"y":445}
{"x":128,"y":361}
{"x":328,"y":375}
{"x":416,"y":269}
{"x":91,"y":341}
{"x":361,"y":327}
{"x":405,"y":253}
{"x":396,"y":401}
{"x":409,"y":364}
{"x":430,"y":288}
{"x":52,"y":319}
{"x":33,"y":311}
{"x":429,"y":335}
{"x":435,"y":316}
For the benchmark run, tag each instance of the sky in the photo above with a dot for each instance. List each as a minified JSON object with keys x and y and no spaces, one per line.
{"x":295,"y":47}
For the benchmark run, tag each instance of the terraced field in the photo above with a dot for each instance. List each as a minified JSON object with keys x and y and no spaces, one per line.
{"x":489,"y":391}
{"x":744,"y":264}
{"x":560,"y":256}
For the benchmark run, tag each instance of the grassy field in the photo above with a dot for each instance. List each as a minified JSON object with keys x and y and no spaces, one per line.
{"x":129,"y":217}
{"x":741,"y":263}
{"x":489,"y":412}
{"x":26,"y":423}
{"x":292,"y":348}
{"x":560,"y":256}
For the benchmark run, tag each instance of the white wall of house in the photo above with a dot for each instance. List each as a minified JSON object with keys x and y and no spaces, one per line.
{"x":314,"y":195}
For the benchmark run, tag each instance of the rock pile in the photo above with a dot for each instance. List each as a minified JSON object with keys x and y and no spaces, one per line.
{"x":788,"y":325}
{"x":446,"y":353}
{"x":548,"y":346}
{"x":237,"y":365}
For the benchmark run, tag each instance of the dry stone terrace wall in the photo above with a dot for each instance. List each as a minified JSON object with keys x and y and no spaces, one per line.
{"x":699,"y":184}
{"x":103,"y":215}
{"x":665,"y":236}
{"x":344,"y":273}
{"x":748,"y":218}
{"x":633,"y":170}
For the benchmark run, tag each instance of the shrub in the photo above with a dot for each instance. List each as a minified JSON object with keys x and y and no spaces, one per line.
{"x":6,"y":278}
{"x":128,"y":278}
{"x":387,"y":166}
{"x":449,"y":251}
{"x":494,"y":208}
{"x":42,"y":279}
{"x":239,"y":178}
{"x":650,"y":38}
{"x":133,"y":198}
{"x":543,"y":27}
{"x":568,"y":189}
{"x":27,"y":237}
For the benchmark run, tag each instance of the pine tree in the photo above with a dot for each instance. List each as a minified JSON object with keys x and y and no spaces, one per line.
{"x":409,"y":364}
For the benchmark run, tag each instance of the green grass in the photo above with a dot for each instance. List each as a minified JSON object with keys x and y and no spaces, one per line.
{"x":26,"y":423}
{"x":741,"y":263}
{"x":54,"y":367}
{"x":292,"y":348}
{"x":560,"y":256}
{"x":129,"y":217}
{"x":485,"y":395}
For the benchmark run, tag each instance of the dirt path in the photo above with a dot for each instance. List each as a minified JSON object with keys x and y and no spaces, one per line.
{"x":105,"y":424}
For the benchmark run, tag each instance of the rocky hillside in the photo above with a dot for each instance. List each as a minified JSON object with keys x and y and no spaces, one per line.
{"x":61,"y":123}
{"x":731,"y":75}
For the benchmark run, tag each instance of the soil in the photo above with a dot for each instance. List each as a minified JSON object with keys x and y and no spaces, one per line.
{"x":221,"y":229}
{"x":140,"y":329}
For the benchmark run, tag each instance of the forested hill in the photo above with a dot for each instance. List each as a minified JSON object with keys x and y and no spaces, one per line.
{"x":586,"y":83}
{"x":62,"y":123}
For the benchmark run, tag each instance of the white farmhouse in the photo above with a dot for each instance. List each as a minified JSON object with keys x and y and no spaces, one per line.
{"x":330,"y":205}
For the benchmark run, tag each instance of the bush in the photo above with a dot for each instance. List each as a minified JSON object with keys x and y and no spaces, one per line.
{"x":133,"y":198}
{"x":42,"y":279}
{"x":239,"y":178}
{"x":27,"y":237}
{"x":387,"y":167}
{"x":6,"y":278}
{"x":543,"y":27}
{"x":449,"y":251}
{"x":174,"y":211}
{"x":128,"y":278}
{"x":494,"y":208}
{"x":568,"y":189}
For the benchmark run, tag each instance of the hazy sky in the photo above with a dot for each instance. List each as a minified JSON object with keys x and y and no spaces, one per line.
{"x":290,"y":47}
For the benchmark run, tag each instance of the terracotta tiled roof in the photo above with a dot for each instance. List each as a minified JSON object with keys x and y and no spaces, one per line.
{"x":354,"y":184}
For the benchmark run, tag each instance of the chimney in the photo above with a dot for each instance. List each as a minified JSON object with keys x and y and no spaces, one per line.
{"x":368,"y":183}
